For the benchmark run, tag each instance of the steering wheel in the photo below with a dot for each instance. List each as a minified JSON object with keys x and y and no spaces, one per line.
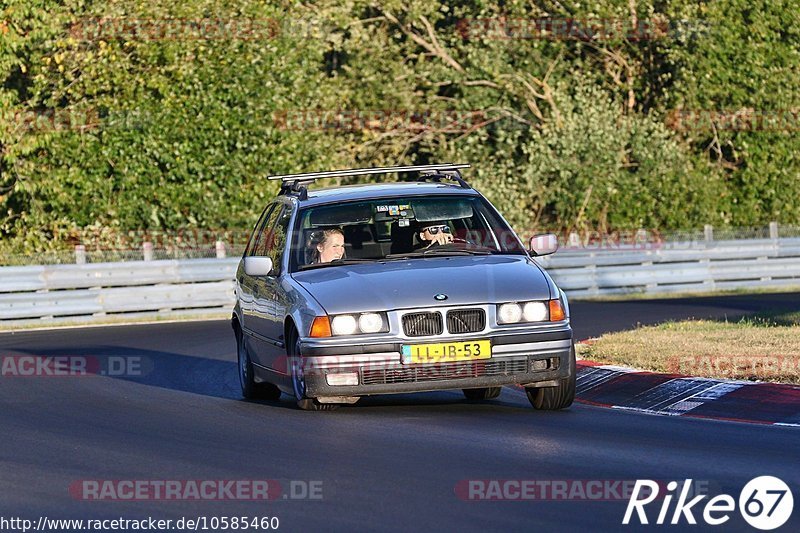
{"x":456,"y":240}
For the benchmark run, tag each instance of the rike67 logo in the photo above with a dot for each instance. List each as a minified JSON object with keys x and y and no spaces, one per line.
{"x":765,"y":503}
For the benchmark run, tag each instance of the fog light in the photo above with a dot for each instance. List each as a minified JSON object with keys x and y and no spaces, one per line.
{"x":345,"y":378}
{"x":540,"y":364}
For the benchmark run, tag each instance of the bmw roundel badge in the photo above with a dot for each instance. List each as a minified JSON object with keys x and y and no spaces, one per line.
{"x":440,"y":297}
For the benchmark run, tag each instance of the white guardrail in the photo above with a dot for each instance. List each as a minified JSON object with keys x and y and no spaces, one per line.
{"x":97,"y":291}
{"x":677,"y":267}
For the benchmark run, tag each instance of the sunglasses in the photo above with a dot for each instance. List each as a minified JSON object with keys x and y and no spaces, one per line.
{"x":433,"y":230}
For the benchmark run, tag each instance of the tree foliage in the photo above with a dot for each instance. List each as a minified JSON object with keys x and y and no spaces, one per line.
{"x":107,"y":123}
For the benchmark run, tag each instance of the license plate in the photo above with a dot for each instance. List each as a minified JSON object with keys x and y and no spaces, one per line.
{"x":447,"y":352}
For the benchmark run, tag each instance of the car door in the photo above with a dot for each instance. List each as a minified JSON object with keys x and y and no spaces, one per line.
{"x":245,"y":283}
{"x":256,"y":310}
{"x":269,"y":300}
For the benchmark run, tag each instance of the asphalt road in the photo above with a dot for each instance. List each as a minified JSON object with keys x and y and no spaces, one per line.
{"x":390,"y":463}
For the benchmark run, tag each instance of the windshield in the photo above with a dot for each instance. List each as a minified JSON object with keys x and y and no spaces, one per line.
{"x":400,"y":228}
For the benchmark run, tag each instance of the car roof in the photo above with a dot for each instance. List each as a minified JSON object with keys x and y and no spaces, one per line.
{"x":373,"y":191}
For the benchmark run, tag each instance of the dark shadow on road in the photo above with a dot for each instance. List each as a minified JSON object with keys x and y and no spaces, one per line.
{"x":198,"y":375}
{"x":220,"y":379}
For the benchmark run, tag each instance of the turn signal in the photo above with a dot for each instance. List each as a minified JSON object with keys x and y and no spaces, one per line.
{"x":321,"y":327}
{"x":557,"y":313}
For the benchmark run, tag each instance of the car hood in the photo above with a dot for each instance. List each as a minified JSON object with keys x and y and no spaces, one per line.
{"x":414,"y":283}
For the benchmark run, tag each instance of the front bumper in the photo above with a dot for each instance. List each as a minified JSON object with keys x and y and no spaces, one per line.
{"x":529,"y":359}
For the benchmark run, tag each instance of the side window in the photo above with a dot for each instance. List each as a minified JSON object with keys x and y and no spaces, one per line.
{"x":271,"y":239}
{"x":264,"y":237}
{"x":251,"y":243}
{"x":279,"y":234}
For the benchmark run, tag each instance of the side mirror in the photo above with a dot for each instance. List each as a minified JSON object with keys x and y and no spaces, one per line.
{"x":544,"y":244}
{"x":257,"y":266}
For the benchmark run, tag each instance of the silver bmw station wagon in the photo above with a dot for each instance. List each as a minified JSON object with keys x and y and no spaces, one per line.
{"x":418,"y":285}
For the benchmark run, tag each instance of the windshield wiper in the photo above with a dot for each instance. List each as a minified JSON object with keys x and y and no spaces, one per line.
{"x":455,"y":252}
{"x":437,"y":253}
{"x":353,"y":261}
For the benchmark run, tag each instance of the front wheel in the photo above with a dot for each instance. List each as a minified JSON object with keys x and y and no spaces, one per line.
{"x":553,"y":398}
{"x":298,"y":378}
{"x":250,"y":389}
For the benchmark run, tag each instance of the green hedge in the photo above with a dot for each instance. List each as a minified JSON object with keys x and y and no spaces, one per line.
{"x":120,"y":128}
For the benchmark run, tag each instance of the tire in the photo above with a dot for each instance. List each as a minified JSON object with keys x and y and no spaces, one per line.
{"x":250,"y":389}
{"x":558,"y":397}
{"x":298,"y":380}
{"x":486,"y":393}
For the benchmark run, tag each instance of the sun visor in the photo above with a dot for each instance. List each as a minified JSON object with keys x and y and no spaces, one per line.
{"x":342,"y":215}
{"x":434,"y":210}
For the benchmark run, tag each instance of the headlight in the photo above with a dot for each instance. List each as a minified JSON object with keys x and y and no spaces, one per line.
{"x":370,"y":322}
{"x":534,"y":312}
{"x":344,"y":325}
{"x":537,"y":311}
{"x":509,"y":314}
{"x":361,"y":323}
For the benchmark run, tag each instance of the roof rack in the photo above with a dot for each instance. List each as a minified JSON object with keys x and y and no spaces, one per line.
{"x":297,"y":183}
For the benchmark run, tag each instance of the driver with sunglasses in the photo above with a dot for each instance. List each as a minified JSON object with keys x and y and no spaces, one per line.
{"x":431,"y":234}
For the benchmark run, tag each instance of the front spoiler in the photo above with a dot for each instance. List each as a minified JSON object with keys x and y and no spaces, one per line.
{"x":318,"y":387}
{"x":534,"y":360}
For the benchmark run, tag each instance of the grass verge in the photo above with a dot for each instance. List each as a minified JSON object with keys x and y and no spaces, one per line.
{"x":762,"y":347}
